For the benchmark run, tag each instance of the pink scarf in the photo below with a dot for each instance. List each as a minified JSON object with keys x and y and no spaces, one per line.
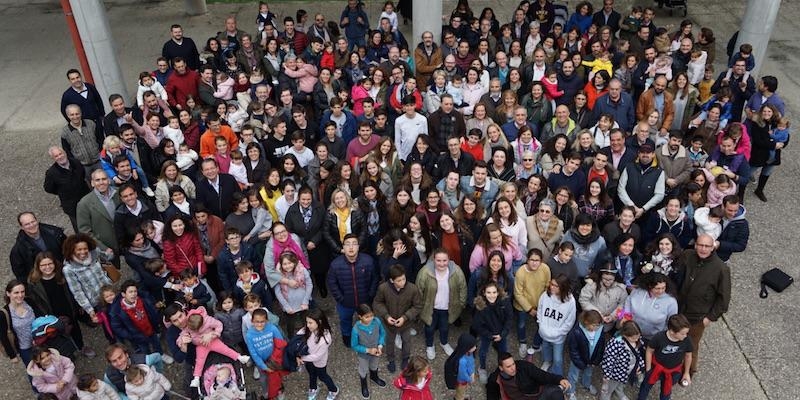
{"x":278,"y":248}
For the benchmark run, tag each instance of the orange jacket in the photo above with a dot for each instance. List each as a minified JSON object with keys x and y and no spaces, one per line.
{"x":207,"y":146}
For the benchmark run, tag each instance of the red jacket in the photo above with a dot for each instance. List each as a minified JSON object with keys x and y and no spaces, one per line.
{"x":184,"y":252}
{"x":410,"y":391}
{"x":327,"y":61}
{"x":180,"y":86}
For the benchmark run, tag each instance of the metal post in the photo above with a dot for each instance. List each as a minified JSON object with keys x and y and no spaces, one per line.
{"x":427,"y":16}
{"x":95,"y":32}
{"x":76,"y":41}
{"x":757,"y":24}
{"x":195,"y":7}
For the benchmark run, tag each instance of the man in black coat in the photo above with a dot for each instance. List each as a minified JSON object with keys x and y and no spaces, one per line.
{"x":66,"y":178}
{"x":216,"y":190}
{"x":181,"y":46}
{"x":453,"y":160}
{"x":113,"y":121}
{"x":85,"y":96}
{"x":521,"y":379}
{"x":131,"y":212}
{"x":607,"y":16}
{"x":32,"y":239}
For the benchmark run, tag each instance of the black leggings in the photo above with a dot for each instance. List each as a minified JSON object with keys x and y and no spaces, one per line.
{"x":322,"y":374}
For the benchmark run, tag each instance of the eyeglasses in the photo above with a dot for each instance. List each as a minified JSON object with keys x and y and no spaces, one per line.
{"x":527,"y":159}
{"x":280,"y":232}
{"x":320,"y":20}
{"x":545,"y":211}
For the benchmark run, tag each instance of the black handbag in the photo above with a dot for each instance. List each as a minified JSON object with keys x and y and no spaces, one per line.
{"x":776,"y":280}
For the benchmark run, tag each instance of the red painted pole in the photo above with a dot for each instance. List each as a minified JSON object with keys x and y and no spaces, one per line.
{"x":76,"y":41}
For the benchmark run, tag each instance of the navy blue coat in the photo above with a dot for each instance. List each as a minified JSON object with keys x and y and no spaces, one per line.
{"x":734,"y":236}
{"x":123,"y":327}
{"x":226,"y":264}
{"x":353,"y":284}
{"x":579,"y":348}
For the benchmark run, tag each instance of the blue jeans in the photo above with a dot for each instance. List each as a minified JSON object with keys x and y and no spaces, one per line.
{"x":584,"y":374}
{"x":354,"y":43}
{"x":501,"y":347}
{"x":345,"y":319}
{"x":440,"y":322}
{"x":522,"y":336}
{"x":515,"y":264}
{"x":554,"y":353}
{"x":152,"y":345}
{"x":644,"y":389}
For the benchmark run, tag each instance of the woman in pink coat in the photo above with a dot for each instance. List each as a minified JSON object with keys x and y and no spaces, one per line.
{"x":52,"y":373}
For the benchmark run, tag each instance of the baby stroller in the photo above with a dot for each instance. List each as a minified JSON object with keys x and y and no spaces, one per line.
{"x":674,"y":5}
{"x":53,"y":332}
{"x":233,"y":389}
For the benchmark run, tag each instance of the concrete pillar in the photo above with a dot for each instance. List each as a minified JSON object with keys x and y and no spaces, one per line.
{"x":92,"y":21}
{"x":195,"y":7}
{"x":427,"y":16}
{"x":757,"y":24}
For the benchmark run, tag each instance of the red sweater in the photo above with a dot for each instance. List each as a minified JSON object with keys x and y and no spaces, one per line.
{"x":180,"y":86}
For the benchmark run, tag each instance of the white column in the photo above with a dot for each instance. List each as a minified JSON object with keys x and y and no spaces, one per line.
{"x":195,"y":7}
{"x":757,"y":24}
{"x":92,"y":21}
{"x":427,"y":16}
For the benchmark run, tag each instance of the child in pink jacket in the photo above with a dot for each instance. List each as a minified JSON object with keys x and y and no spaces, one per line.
{"x":52,"y":373}
{"x":204,"y":331}
{"x":306,"y":75}
{"x":224,"y":87}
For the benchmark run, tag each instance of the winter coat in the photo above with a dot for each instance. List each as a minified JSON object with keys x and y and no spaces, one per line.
{"x":154,"y":387}
{"x":226,"y":264}
{"x":586,"y":254}
{"x":184,"y":252}
{"x":410,"y":390}
{"x":606,"y":301}
{"x":104,"y":392}
{"x":330,"y":232}
{"x":353,"y":284}
{"x":657,"y":224}
{"x":61,"y":369}
{"x":616,"y":362}
{"x":579,"y":348}
{"x":492,"y":319}
{"x":706,"y":290}
{"x":122,"y":325}
{"x":426,"y":282}
{"x":529,"y":378}
{"x":210,"y":324}
{"x":555,"y":317}
{"x":390,"y":302}
{"x":25,"y":249}
{"x":735,"y":234}
{"x":85,"y":282}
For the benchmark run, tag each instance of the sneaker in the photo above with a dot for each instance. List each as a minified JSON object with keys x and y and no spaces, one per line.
{"x":483,"y":377}
{"x":256,"y":374}
{"x":398,"y":342}
{"x":391,"y":367}
{"x":572,"y":397}
{"x":312,"y":394}
{"x":523,"y":350}
{"x":546,"y":365}
{"x":243,"y":359}
{"x":281,"y":396}
{"x":430,"y":352}
{"x":149,"y":192}
{"x":167,"y":359}
{"x":89,"y":353}
{"x":592,"y":390}
{"x":332,"y":395}
{"x":412,"y":332}
{"x":195,"y":382}
{"x":447,"y":349}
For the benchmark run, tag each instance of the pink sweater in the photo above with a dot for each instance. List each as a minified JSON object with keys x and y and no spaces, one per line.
{"x":317,"y":351}
{"x":225,"y":90}
{"x":478,"y":257}
{"x":306,"y":77}
{"x":210,"y":324}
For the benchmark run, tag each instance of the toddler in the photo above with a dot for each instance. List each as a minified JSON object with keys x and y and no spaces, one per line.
{"x":601,"y":63}
{"x":204,"y":331}
{"x":697,"y":66}
{"x":661,"y":41}
{"x":173,"y":131}
{"x":455,"y":88}
{"x":704,"y":87}
{"x":367,"y":340}
{"x":661,"y":66}
{"x":237,"y":116}
{"x":264,"y":17}
{"x":388,"y":13}
{"x":186,"y":157}
{"x":91,"y":388}
{"x":148,"y":83}
{"x":550,"y":84}
{"x":144,"y":382}
{"x":622,"y":361}
{"x":721,"y":185}
{"x":745,"y":52}
{"x":630,"y":25}
{"x":107,"y":296}
{"x":707,"y":220}
{"x":222,"y":155}
{"x":359,"y":93}
{"x":224,"y":86}
{"x":238,"y":170}
{"x":195,"y":292}
{"x":780,"y":135}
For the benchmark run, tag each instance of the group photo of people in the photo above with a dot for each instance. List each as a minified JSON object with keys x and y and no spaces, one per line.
{"x":539,"y":203}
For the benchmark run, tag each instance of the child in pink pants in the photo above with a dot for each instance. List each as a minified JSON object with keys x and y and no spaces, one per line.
{"x":204,"y":332}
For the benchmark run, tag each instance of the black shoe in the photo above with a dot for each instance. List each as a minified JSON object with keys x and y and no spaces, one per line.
{"x":373,"y":376}
{"x":760,"y":194}
{"x":391,"y":367}
{"x":346,"y":340}
{"x":364,"y":389}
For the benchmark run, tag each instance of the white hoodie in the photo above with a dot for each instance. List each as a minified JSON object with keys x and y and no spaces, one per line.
{"x":704,"y":225}
{"x":555,"y":318}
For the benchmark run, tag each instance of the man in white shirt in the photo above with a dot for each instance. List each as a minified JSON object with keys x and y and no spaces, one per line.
{"x":407,"y":127}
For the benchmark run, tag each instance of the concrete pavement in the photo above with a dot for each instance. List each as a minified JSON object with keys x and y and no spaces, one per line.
{"x":747,"y":355}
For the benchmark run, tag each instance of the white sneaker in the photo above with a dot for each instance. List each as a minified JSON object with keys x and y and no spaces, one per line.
{"x":523,"y":350}
{"x":398,"y":342}
{"x":483,"y":377}
{"x":195,"y":382}
{"x":592,"y":390}
{"x":447,"y":349}
{"x":256,"y":374}
{"x":546,"y":365}
{"x":167,"y":359}
{"x":332,"y":395}
{"x":412,"y":332}
{"x":430,"y":351}
{"x":312,"y":394}
{"x":244,"y":359}
{"x":149,"y":192}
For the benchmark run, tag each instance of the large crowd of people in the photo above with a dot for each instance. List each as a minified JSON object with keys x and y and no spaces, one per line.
{"x":567,"y":181}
